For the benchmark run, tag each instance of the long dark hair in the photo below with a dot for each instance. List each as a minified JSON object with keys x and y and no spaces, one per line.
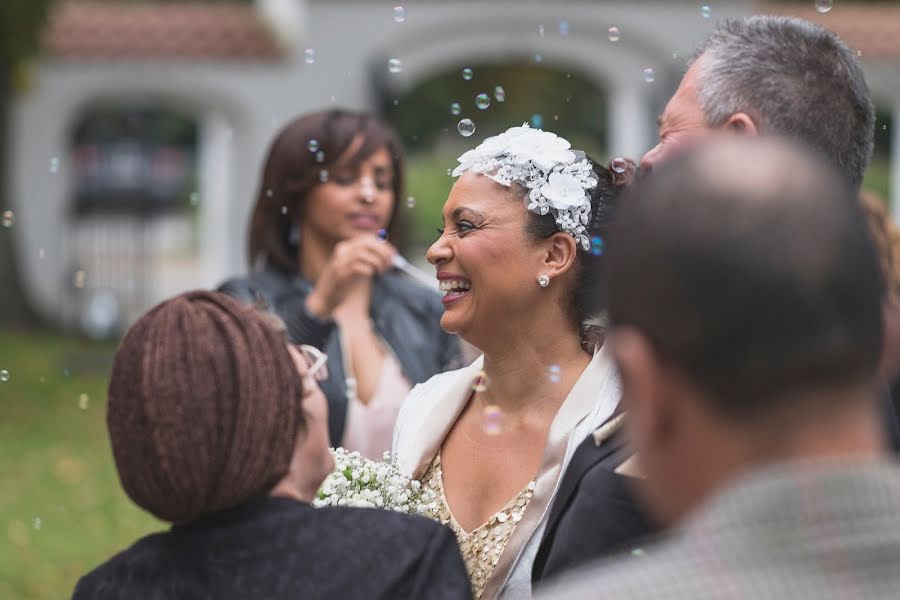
{"x":293,"y":167}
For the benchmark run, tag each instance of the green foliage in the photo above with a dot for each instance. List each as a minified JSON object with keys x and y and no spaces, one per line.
{"x":62,"y":511}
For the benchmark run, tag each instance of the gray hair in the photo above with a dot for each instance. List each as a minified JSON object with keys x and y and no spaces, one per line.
{"x":794,"y":79}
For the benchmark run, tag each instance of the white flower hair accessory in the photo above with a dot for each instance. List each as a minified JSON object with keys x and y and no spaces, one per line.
{"x":556,"y":177}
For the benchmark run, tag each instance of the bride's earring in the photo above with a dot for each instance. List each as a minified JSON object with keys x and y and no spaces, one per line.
{"x":543,"y":280}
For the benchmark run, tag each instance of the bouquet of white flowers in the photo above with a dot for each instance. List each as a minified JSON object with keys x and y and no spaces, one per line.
{"x":358,"y":481}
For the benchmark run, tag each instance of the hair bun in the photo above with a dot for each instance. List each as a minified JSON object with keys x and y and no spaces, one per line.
{"x":622,"y":171}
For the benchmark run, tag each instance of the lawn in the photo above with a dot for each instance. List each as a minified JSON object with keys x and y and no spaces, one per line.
{"x":61,"y":507}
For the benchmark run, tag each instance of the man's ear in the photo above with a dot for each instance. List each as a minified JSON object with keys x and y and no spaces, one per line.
{"x":645,"y":384}
{"x":562,"y":252}
{"x":742,"y":124}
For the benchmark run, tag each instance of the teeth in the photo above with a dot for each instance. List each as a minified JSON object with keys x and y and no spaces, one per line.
{"x":451,"y":285}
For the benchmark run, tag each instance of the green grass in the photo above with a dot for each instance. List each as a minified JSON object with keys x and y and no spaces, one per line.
{"x":62,"y":511}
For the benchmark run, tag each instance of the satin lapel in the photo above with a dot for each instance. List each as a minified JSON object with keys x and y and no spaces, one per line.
{"x":589,"y":391}
{"x":442,"y":414}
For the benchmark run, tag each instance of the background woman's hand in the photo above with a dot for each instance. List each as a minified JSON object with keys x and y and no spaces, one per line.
{"x":353,"y":261}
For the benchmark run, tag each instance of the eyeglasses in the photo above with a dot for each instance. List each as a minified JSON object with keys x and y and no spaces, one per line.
{"x":316,"y":361}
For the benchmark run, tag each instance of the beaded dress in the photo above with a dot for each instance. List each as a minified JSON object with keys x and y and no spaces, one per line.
{"x":482,"y":547}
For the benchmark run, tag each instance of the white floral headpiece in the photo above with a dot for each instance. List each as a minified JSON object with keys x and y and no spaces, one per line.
{"x":557,"y":178}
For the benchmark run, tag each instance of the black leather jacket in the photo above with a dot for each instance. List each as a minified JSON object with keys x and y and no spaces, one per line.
{"x":405,"y":314}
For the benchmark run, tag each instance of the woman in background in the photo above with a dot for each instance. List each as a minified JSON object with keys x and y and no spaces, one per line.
{"x":327,"y":201}
{"x":218,"y":427}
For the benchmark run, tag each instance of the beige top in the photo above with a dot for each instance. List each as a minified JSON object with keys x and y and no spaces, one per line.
{"x":482,"y":547}
{"x":370,"y":427}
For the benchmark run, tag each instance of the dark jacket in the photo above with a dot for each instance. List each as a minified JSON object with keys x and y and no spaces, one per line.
{"x":278,"y":548}
{"x":405,"y":314}
{"x":594,"y":512}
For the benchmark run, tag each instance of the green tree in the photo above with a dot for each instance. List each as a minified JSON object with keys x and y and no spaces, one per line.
{"x":21,"y":22}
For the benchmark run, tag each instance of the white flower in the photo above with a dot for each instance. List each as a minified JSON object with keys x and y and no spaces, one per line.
{"x":564,"y":191}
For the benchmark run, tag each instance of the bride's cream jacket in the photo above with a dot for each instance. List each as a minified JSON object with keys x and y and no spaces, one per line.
{"x":430,"y":411}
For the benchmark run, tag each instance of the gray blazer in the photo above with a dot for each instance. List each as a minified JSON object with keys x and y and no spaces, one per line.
{"x":823,"y":530}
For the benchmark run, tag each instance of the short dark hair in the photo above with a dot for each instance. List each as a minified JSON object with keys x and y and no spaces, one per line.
{"x":588,"y":298}
{"x":749,"y":266}
{"x":293,"y":167}
{"x":797,"y":80}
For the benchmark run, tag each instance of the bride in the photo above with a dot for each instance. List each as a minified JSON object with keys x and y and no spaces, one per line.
{"x":520,"y":258}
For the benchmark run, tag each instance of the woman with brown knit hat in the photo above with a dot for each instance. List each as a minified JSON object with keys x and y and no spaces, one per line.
{"x":218,"y":426}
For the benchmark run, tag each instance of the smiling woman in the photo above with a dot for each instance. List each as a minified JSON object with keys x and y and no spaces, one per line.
{"x":322,"y":260}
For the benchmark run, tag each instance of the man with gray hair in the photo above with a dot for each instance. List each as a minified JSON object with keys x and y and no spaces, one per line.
{"x":748,"y":352}
{"x":774,"y":76}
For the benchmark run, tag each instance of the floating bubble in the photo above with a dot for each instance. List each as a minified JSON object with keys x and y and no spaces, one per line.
{"x":449,"y":172}
{"x":284,"y":210}
{"x":597,"y":245}
{"x":492,"y":419}
{"x":705,"y":11}
{"x":482,"y":101}
{"x":500,"y":93}
{"x":649,"y":75}
{"x":638,"y":552}
{"x":41,"y":253}
{"x":4,"y":375}
{"x":538,"y":58}
{"x":537,"y":120}
{"x":395,"y":65}
{"x":8,"y":218}
{"x":269,"y":193}
{"x":83,"y":401}
{"x":320,"y":156}
{"x":383,"y":235}
{"x":467,"y":74}
{"x":554,"y":372}
{"x":541,"y":30}
{"x":54,"y":165}
{"x":37,"y":523}
{"x":399,"y":14}
{"x":455,"y":109}
{"x":481,"y":383}
{"x":313,"y":145}
{"x":309,"y":56}
{"x":323,"y":175}
{"x":564,"y":28}
{"x":613,"y":34}
{"x":195,"y":199}
{"x":411,"y":202}
{"x":619,"y":165}
{"x":79,"y":278}
{"x":823,"y":6}
{"x":466,"y":127}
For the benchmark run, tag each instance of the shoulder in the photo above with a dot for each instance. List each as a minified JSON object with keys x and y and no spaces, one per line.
{"x":377,"y":530}
{"x":130,"y":572}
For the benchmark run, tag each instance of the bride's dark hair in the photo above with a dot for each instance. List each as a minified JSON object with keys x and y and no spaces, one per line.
{"x":588,"y":300}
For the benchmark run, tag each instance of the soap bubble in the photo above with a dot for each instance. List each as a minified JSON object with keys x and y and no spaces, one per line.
{"x":383,"y":235}
{"x":492,"y":419}
{"x":395,"y":65}
{"x":537,"y":120}
{"x":500,"y":93}
{"x":481,"y":383}
{"x":399,"y":14}
{"x":284,"y":209}
{"x":320,"y":156}
{"x":54,"y":165}
{"x":482,"y":101}
{"x":538,"y":58}
{"x":619,"y":165}
{"x":195,"y":199}
{"x":649,"y":74}
{"x":313,"y":145}
{"x":323,"y":175}
{"x":411,"y":202}
{"x":541,"y":30}
{"x":823,"y":6}
{"x":37,"y":523}
{"x":597,"y":245}
{"x":705,"y":11}
{"x":563,"y":28}
{"x":309,"y":56}
{"x":554,"y":372}
{"x":455,"y":109}
{"x":4,"y":375}
{"x":466,"y":127}
{"x":8,"y":218}
{"x":83,"y":401}
{"x":79,"y":278}
{"x":614,"y":34}
{"x":467,"y":74}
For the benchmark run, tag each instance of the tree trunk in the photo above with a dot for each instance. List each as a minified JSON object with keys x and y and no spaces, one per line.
{"x":14,"y":308}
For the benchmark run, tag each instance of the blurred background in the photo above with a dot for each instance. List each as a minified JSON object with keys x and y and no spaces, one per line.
{"x":131,"y":138}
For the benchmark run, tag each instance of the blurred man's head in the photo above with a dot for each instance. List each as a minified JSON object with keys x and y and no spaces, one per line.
{"x":745,"y":297}
{"x":774,"y":75}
